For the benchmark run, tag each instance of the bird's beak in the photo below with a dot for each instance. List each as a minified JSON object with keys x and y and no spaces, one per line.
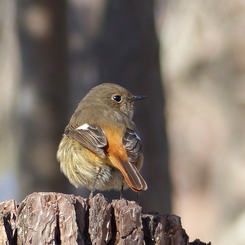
{"x":138,"y":97}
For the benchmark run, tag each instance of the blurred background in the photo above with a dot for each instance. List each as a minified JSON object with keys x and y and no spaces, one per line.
{"x":187,"y":57}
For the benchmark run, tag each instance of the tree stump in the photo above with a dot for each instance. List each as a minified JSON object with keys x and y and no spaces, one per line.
{"x":55,"y":218}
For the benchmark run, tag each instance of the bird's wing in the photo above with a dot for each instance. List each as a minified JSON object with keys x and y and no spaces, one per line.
{"x":132,"y":143}
{"x":89,"y":136}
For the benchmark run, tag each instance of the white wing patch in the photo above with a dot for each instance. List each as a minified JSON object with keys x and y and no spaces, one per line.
{"x":83,"y":127}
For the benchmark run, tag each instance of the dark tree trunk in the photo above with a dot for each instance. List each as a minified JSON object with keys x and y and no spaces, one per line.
{"x":44,"y":93}
{"x":128,"y":54}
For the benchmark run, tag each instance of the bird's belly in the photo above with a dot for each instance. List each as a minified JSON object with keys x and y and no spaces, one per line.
{"x":83,"y":167}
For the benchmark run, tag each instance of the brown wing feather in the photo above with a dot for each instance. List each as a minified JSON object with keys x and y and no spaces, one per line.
{"x":132,"y":143}
{"x":90,"y":136}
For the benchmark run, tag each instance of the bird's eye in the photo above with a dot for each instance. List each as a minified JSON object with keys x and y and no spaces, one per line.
{"x":117,"y":98}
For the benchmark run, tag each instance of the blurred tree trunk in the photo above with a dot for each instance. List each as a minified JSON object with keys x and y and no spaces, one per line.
{"x":128,"y":53}
{"x":9,"y":83}
{"x":44,"y":93}
{"x":203,"y":64}
{"x":115,"y":41}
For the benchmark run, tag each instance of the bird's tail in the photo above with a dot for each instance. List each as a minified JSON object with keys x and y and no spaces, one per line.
{"x":131,"y":174}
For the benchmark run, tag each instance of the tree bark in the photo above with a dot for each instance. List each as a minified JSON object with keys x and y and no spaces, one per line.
{"x":55,"y":218}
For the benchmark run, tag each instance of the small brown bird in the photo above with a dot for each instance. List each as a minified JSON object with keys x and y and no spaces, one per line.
{"x":101,"y":148}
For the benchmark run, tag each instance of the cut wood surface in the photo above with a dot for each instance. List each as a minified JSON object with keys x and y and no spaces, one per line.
{"x":55,"y":218}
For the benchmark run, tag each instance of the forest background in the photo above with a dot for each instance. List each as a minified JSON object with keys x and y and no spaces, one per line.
{"x":187,"y":57}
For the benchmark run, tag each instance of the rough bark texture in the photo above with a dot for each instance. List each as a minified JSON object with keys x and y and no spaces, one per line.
{"x":55,"y":218}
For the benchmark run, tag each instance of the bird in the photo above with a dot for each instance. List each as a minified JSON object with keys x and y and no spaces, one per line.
{"x":101,"y":148}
